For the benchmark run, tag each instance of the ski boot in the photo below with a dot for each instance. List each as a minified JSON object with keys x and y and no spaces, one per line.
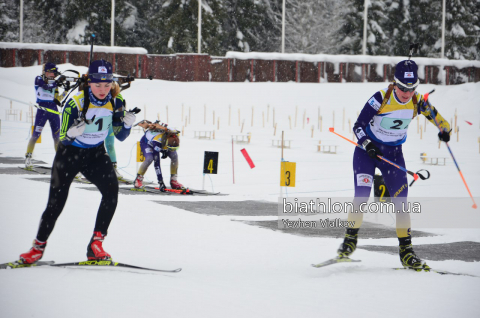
{"x":138,"y":183}
{"x":349,"y":243}
{"x":408,"y":257}
{"x":95,"y":249}
{"x":119,"y":176}
{"x":28,"y":161}
{"x":35,"y":253}
{"x":174,"y":184}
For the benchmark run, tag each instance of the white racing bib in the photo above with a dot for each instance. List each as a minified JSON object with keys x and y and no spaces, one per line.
{"x":45,"y":95}
{"x":391,"y":128}
{"x":96,"y":132}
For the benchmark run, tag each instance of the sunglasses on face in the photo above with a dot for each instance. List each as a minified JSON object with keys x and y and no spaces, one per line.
{"x":104,"y":77}
{"x":404,"y":88}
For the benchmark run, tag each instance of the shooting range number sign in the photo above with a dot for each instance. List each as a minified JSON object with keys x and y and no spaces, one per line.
{"x":210,"y":163}
{"x":287,"y":174}
{"x":140,"y":157}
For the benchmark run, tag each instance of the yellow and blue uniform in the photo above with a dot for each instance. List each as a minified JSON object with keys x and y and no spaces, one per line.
{"x":152,"y":144}
{"x":95,"y":132}
{"x":385,"y":123}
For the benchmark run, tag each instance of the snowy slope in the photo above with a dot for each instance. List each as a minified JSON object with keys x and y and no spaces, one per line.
{"x":230,"y":268}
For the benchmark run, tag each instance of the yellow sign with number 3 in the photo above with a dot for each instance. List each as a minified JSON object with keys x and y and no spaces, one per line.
{"x":287,"y":174}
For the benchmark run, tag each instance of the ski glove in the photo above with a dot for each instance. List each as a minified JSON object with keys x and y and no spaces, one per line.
{"x":164,"y":154}
{"x":76,"y":129}
{"x":161,"y":186}
{"x":372,"y":150}
{"x":444,"y":135}
{"x":129,"y":119}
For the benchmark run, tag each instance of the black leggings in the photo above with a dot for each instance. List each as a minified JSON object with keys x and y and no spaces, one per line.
{"x":96,"y":166}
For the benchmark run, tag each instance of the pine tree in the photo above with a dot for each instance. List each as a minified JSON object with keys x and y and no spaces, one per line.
{"x":461,"y":27}
{"x":246,"y":26}
{"x":9,"y":21}
{"x":177,"y":21}
{"x":351,"y":33}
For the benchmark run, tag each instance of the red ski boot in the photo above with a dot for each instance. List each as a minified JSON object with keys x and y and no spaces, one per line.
{"x":176,"y":185}
{"x":95,"y":249}
{"x":138,"y":183}
{"x":35,"y":253}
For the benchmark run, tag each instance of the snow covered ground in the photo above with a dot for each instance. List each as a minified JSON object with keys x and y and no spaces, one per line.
{"x":231,"y":268}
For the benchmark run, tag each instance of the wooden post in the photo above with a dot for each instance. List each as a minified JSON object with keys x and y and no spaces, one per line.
{"x":263,"y":119}
{"x":252,"y":115}
{"x":290,"y":121}
{"x":274,"y":117}
{"x":268,"y":112}
{"x":439,"y":143}
{"x":182,"y":130}
{"x":218,"y":123}
{"x":455,"y":120}
{"x":318,"y":117}
{"x":275,"y":131}
{"x":458,"y":130}
{"x":243,"y":123}
{"x":304,"y":117}
{"x":158,"y":116}
{"x":20,"y":115}
{"x":321,"y":123}
{"x":296,"y":112}
{"x":421,"y":132}
{"x":229,"y":113}
{"x":213,"y":134}
{"x":349,"y":125}
{"x":167,"y":114}
{"x":145,"y":112}
{"x":312,"y":130}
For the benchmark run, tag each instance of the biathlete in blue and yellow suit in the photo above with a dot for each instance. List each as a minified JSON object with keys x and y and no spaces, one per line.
{"x":86,"y":120}
{"x":381,"y":128}
{"x":159,"y":142}
{"x":48,"y":96}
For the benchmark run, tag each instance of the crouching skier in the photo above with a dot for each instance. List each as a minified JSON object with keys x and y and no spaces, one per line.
{"x":159,"y":142}
{"x":86,"y":120}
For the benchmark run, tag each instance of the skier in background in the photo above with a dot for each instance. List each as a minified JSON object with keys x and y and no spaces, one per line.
{"x":159,"y":142}
{"x":110,"y":146}
{"x":48,"y":96}
{"x":381,"y":128}
{"x":86,"y":120}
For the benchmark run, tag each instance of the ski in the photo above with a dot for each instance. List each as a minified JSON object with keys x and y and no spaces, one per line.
{"x":130,"y":182}
{"x":18,"y":264}
{"x":441,"y":272}
{"x":42,"y":167}
{"x":335,"y":260}
{"x":32,"y":170}
{"x":185,"y":191}
{"x":106,"y":263}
